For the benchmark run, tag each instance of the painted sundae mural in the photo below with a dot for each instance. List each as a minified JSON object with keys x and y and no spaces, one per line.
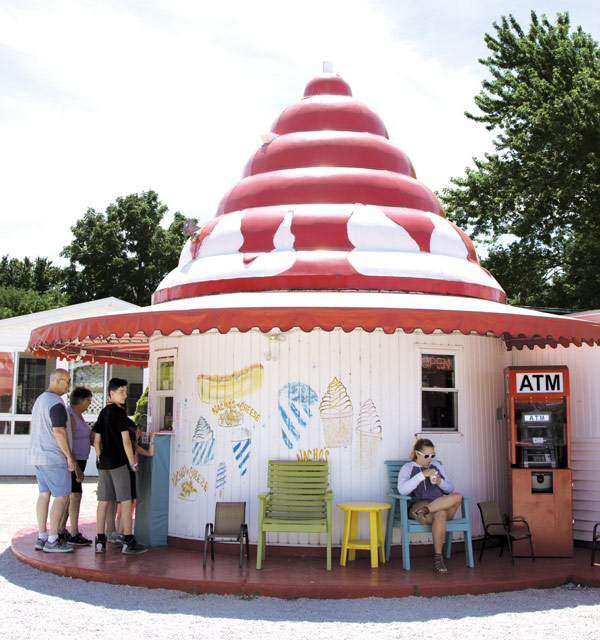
{"x":336,"y":415}
{"x":368,"y":432}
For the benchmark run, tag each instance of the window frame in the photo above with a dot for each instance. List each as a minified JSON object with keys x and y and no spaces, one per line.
{"x":435,"y":350}
{"x":157,"y":397}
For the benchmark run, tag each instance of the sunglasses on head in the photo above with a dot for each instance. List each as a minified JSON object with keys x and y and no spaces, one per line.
{"x":427,"y":455}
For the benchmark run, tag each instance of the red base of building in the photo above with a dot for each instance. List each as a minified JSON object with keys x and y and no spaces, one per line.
{"x":299,"y":573}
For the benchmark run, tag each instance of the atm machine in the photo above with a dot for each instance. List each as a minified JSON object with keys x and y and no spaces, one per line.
{"x":539,"y":435}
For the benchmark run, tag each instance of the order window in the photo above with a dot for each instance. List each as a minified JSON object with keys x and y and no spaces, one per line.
{"x":164,"y":392}
{"x":439,"y":395}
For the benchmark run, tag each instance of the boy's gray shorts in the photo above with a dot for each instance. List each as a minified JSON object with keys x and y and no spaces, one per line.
{"x":114,"y":484}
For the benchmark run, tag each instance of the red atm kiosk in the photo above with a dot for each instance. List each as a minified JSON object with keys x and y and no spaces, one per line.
{"x":539,"y":433}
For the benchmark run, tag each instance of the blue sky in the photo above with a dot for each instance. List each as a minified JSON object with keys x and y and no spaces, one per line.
{"x":102,"y":98}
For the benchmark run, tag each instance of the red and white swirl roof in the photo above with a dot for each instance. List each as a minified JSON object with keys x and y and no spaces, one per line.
{"x":329,"y":204}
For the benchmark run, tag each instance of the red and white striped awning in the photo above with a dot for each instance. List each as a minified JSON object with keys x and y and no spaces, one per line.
{"x":124,"y":337}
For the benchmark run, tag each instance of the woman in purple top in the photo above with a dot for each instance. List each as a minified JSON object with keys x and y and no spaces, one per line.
{"x":80,"y":400}
{"x":434,"y":500}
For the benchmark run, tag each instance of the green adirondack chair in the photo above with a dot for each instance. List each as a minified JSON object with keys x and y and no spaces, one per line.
{"x":297,"y":500}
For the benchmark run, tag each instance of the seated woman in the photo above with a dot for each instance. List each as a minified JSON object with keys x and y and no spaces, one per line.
{"x":433,"y":498}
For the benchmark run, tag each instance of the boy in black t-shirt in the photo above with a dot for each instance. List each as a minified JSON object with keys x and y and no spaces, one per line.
{"x":114,"y":453}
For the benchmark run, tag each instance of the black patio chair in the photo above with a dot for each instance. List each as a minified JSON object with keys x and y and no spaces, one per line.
{"x":495,"y":526}
{"x":229,"y":525}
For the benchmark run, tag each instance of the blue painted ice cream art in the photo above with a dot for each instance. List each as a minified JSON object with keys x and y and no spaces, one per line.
{"x":295,"y":402}
{"x":203,"y":443}
{"x":221,"y":479}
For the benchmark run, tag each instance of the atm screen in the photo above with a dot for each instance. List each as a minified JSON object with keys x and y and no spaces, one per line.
{"x":536,"y":418}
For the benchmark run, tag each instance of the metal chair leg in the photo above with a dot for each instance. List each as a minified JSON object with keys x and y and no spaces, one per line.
{"x":510,"y":551}
{"x":482,"y":546}
{"x":247,"y":542}
{"x":207,"y":533}
{"x":594,"y":537}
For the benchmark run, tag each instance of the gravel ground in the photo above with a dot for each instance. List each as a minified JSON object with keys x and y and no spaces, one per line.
{"x":40,"y":605}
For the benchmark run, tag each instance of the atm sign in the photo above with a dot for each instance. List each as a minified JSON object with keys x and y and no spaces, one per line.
{"x":542,"y":382}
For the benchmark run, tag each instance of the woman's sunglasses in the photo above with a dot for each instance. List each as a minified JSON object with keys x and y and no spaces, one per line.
{"x":427,"y":455}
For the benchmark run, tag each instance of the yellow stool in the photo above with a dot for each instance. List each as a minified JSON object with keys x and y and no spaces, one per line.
{"x":349,"y":541}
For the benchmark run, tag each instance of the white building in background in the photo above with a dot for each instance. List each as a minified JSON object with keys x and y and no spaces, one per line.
{"x":24,"y":376}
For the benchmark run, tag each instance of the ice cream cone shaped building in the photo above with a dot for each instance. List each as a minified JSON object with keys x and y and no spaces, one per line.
{"x":328,"y":311}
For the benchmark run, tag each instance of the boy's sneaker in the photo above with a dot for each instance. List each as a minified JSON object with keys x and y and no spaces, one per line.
{"x":134,"y":547}
{"x":58,"y":546}
{"x":39,"y":544}
{"x":99,"y":545}
{"x":79,"y":540}
{"x":115,"y":538}
{"x":65,"y":538}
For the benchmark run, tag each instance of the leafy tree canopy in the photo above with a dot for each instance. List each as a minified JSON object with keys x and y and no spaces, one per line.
{"x":124,"y":252}
{"x":536,"y":201}
{"x":28,"y":286}
{"x":38,"y":275}
{"x":18,"y":302}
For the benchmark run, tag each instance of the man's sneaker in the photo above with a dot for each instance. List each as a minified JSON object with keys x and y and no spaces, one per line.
{"x":58,"y":546}
{"x":79,"y":540}
{"x":39,"y":544}
{"x":99,"y":545}
{"x":134,"y":547}
{"x":115,"y":538}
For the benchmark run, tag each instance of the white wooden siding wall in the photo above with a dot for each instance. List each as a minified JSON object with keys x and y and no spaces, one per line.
{"x":372,"y":366}
{"x":584,"y":374}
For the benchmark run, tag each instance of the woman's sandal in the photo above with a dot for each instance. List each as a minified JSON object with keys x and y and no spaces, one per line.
{"x":420,"y":514}
{"x":438,"y":564}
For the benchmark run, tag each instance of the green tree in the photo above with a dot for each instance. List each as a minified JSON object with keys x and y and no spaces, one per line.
{"x":140,"y":417}
{"x":536,"y":201}
{"x":39,"y":275}
{"x":28,"y":286}
{"x":124,"y":252}
{"x":18,"y":302}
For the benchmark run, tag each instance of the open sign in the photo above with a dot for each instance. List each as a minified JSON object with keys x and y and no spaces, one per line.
{"x":437,"y":363}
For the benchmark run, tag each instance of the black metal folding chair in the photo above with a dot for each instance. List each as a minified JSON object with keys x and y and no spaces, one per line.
{"x":229,"y":525}
{"x":495,"y":526}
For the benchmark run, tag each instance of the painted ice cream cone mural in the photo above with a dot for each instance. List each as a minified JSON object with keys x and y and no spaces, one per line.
{"x":241,"y":450}
{"x":221,"y":479}
{"x":295,"y":401}
{"x":203,"y":443}
{"x":368,"y":432}
{"x":336,"y":413}
{"x":217,"y":388}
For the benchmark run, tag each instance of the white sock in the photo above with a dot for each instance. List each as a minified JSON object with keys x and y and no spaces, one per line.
{"x":43,"y":536}
{"x":52,"y":539}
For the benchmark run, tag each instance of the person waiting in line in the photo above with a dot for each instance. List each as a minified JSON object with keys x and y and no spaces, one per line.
{"x":51,"y":454}
{"x":433,"y":501}
{"x":83,"y":438}
{"x":134,"y":434}
{"x":115,"y":454}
